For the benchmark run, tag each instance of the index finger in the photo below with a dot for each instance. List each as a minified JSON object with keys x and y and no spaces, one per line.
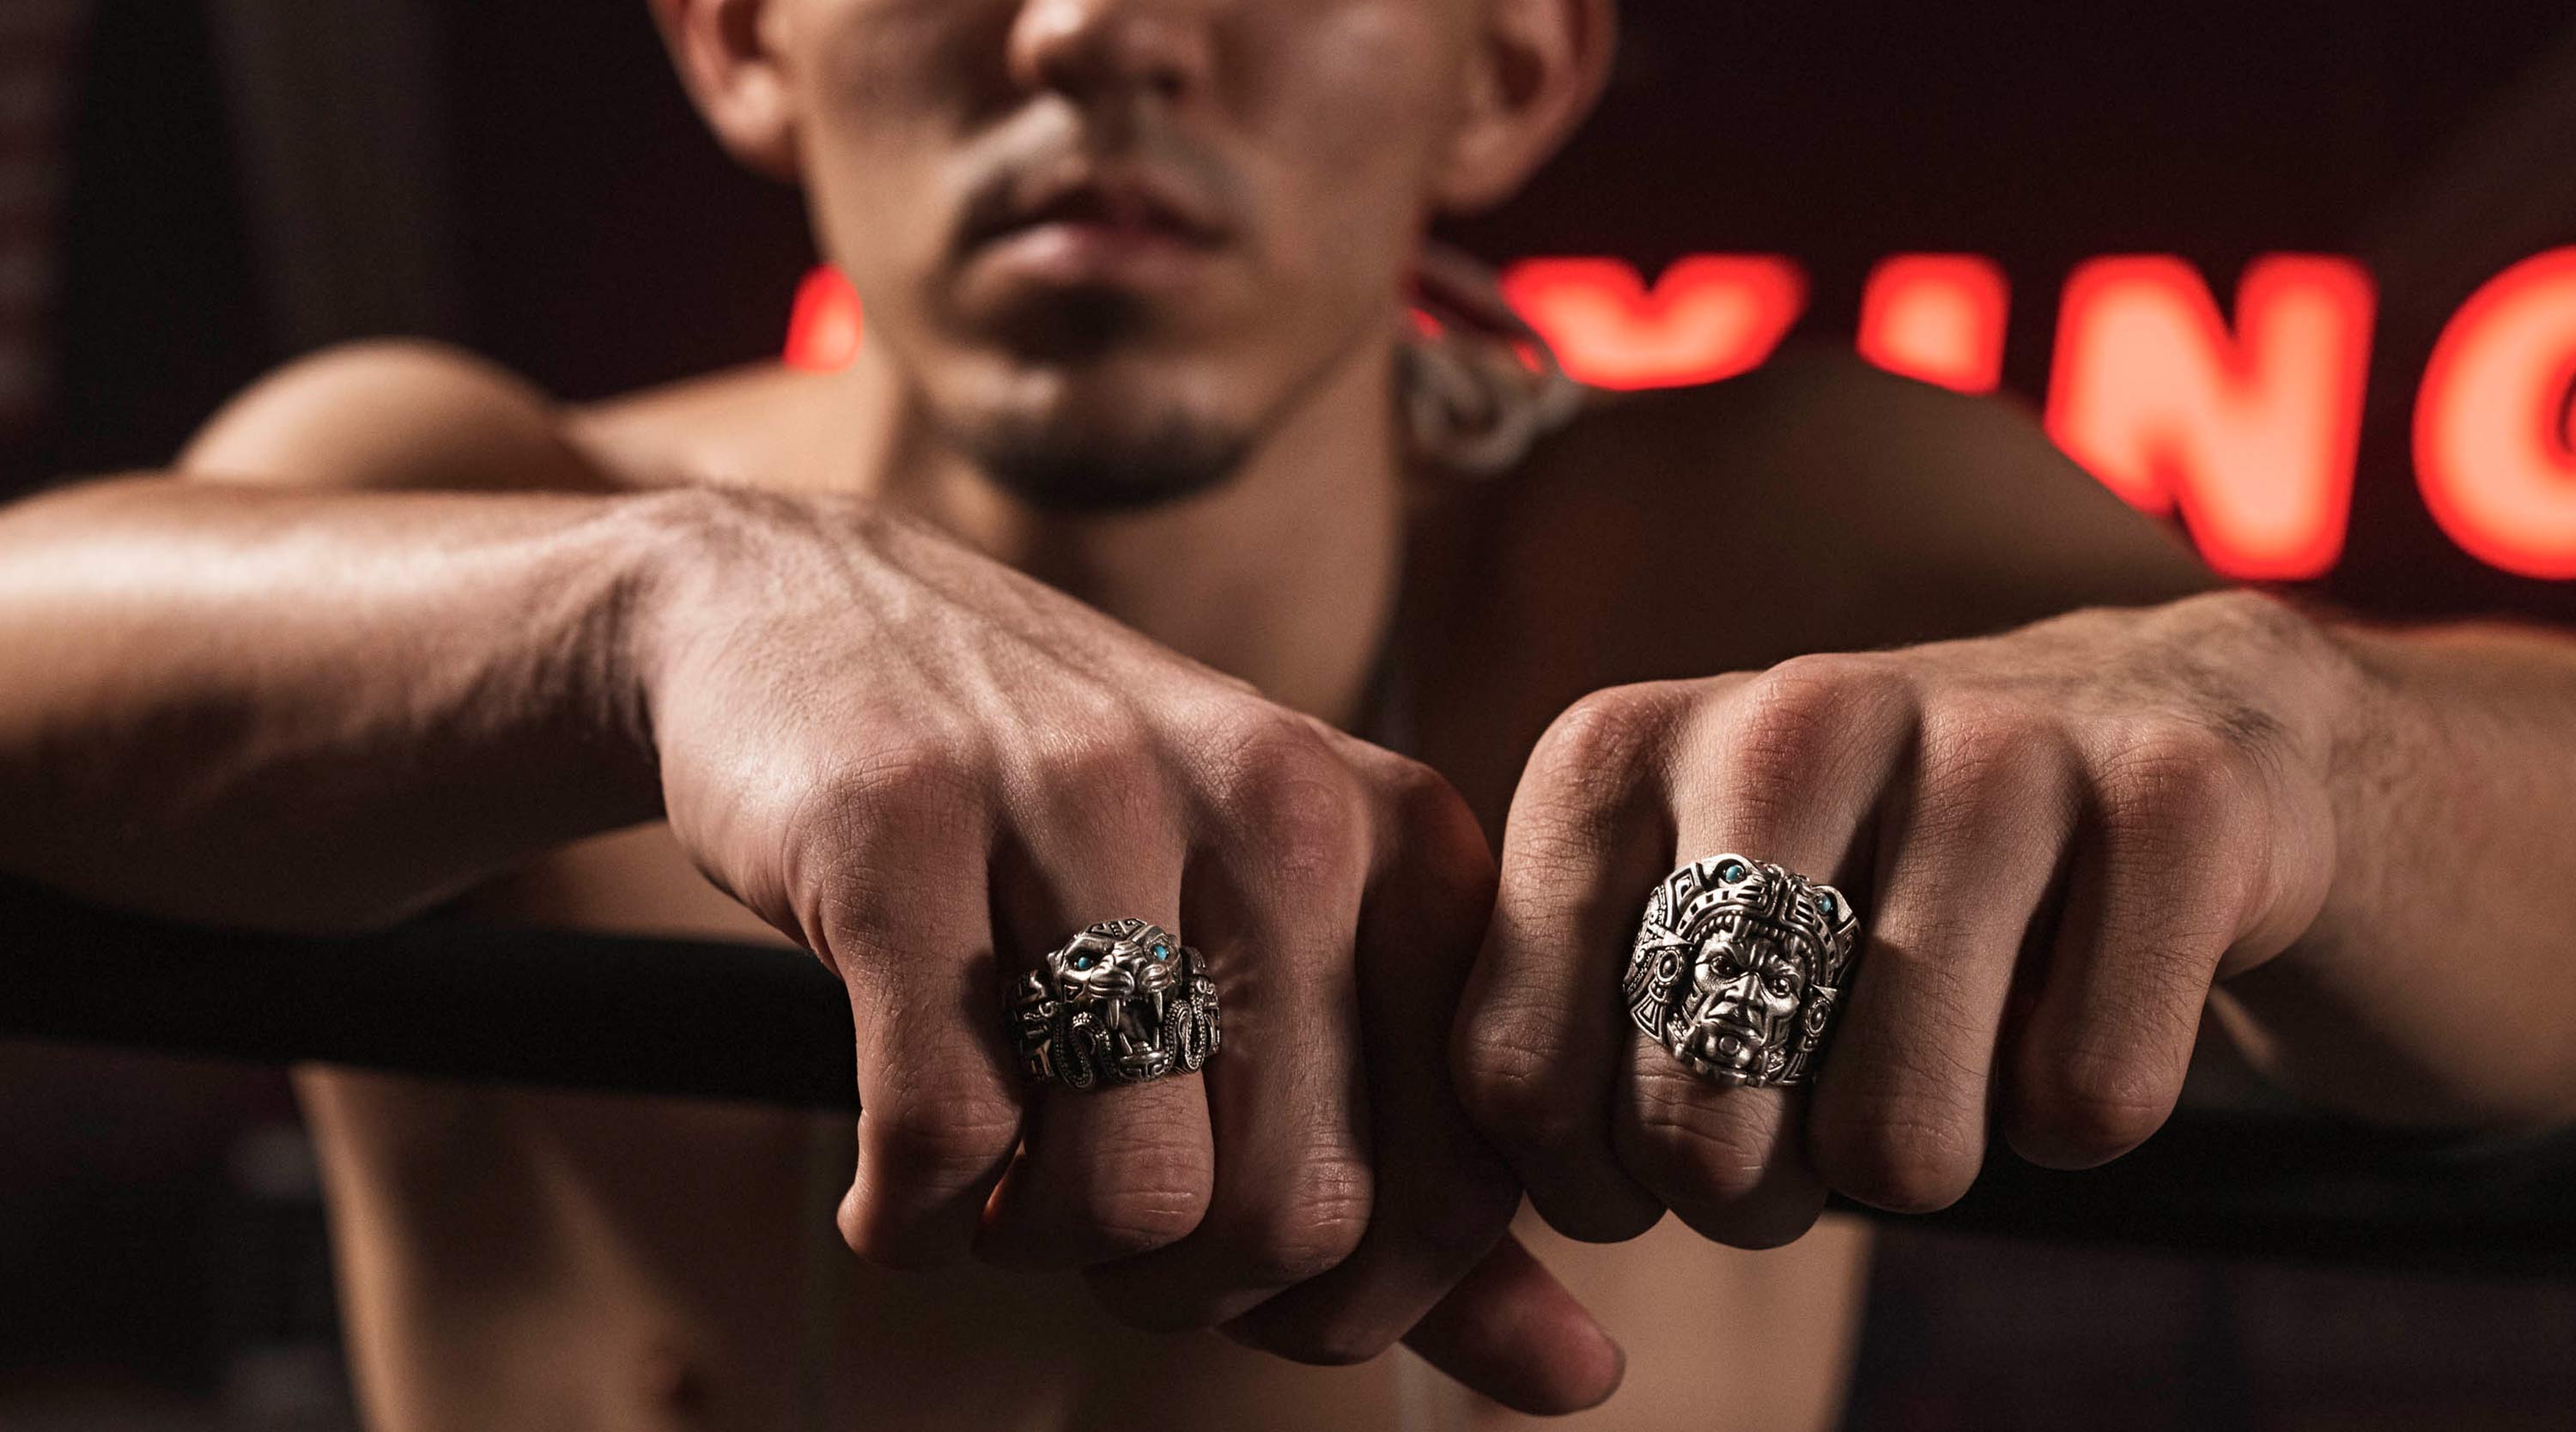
{"x":905,"y":919}
{"x":1444,"y":1197}
{"x":1540,"y":1032}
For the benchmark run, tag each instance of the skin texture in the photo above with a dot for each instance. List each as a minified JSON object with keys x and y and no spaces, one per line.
{"x":1964,"y":786}
{"x":921,"y":665}
{"x":1669,"y":1296}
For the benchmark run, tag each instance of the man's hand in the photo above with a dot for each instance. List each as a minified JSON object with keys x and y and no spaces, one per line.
{"x":930,"y":770}
{"x":2057,"y":840}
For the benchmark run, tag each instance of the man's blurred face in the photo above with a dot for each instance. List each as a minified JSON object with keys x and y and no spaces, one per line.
{"x":1110,"y":242}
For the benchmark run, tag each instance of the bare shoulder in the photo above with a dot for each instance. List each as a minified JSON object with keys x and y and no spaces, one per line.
{"x":407,"y":415}
{"x":1884,"y":509}
{"x":389,"y":415}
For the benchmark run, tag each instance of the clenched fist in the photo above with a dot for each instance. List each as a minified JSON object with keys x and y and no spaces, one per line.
{"x":931,"y":770}
{"x":2057,"y":839}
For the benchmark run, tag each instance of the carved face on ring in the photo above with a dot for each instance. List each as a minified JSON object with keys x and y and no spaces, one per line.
{"x":1736,"y":966}
{"x":1745,"y":989}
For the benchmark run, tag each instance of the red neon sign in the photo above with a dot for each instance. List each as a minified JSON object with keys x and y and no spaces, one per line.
{"x":1710,"y":316}
{"x":2492,"y":447}
{"x":1937,"y":317}
{"x":823,"y":327}
{"x":2251,"y":431}
{"x":2246,"y":422}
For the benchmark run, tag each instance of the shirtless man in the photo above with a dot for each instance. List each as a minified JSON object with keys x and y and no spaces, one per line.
{"x":1099,"y":586}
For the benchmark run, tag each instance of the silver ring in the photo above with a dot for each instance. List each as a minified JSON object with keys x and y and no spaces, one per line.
{"x":1738,"y":967}
{"x":1121,"y":1003}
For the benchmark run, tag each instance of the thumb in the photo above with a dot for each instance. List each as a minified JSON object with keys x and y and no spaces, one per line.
{"x":1511,"y":1331}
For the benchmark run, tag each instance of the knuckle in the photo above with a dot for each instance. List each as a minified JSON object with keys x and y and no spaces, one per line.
{"x":946,"y":1145}
{"x":1248,"y":739}
{"x":1424,"y":797}
{"x":1147,"y":1191}
{"x":1897,"y":1155}
{"x":1310,"y":1232}
{"x":2091,"y":1108}
{"x":921,"y":773}
{"x":911,"y":789}
{"x":2171,"y":775}
{"x":839,"y":851}
{"x":1445,"y":844}
{"x":1787,"y":722}
{"x":1512,"y":1082}
{"x":1608,"y":730}
{"x":1583,"y":774}
{"x":1147,"y":1214}
{"x":1286,"y":790}
{"x":1694,"y":1149}
{"x":1308,"y":814}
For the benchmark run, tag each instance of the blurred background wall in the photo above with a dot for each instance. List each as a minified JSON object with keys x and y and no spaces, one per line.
{"x":191,"y":193}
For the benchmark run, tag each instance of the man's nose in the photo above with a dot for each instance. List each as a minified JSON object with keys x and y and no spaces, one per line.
{"x":1092,"y":50}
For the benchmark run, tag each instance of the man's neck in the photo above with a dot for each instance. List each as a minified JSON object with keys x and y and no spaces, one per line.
{"x":1284,"y":575}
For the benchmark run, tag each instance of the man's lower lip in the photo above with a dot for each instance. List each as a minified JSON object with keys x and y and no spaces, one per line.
{"x":1080,"y":253}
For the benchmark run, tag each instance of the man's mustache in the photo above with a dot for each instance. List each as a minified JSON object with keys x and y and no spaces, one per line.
{"x":1052,"y":144}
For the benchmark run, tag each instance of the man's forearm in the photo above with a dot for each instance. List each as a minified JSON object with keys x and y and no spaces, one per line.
{"x":2436,"y":983}
{"x":312,"y":711}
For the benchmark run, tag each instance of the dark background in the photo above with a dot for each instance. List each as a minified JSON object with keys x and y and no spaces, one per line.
{"x":591,"y":235}
{"x":527,"y":180}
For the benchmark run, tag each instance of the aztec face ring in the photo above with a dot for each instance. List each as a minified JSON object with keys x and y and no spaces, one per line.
{"x":1737,"y":968}
{"x":1120,"y":1003}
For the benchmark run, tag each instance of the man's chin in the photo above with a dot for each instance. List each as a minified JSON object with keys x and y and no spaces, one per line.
{"x":1093,"y":471}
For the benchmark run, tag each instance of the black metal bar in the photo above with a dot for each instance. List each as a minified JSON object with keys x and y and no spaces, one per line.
{"x":453,"y":1000}
{"x":443,"y":998}
{"x":2302,"y":1190}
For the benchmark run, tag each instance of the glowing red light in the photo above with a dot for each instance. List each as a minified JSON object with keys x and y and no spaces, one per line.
{"x":823,"y":327}
{"x":2252,"y":433}
{"x":1937,"y":317}
{"x":1710,"y":316}
{"x":2492,"y":448}
{"x":2248,"y":427}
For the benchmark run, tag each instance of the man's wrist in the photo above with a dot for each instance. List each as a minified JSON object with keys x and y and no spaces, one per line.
{"x":2281,"y":659}
{"x":670,"y":540}
{"x":690,"y":555}
{"x":2311,"y":674}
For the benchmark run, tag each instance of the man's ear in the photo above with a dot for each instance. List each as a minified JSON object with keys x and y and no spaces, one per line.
{"x":728,"y":58}
{"x":1537,"y":68}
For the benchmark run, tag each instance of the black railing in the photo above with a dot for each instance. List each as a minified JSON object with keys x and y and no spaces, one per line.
{"x":453,"y":1000}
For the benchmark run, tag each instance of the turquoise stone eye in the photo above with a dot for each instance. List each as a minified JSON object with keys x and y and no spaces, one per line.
{"x":1162,"y":952}
{"x":1083,"y":962}
{"x":1732,"y":871}
{"x":1825,"y":903}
